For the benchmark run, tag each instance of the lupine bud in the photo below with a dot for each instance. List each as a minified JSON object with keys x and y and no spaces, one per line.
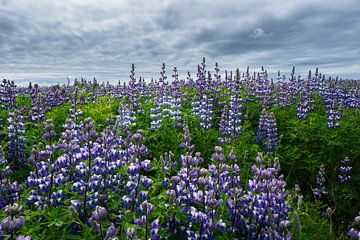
{"x":24,"y":238}
{"x":12,"y":210}
{"x":11,"y":225}
{"x":111,"y":231}
{"x":99,"y":214}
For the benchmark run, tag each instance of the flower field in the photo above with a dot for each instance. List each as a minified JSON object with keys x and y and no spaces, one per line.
{"x":232,"y":156}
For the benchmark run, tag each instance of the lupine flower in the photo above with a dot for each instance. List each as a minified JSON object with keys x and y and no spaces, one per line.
{"x":304,"y":106}
{"x":189,"y":147}
{"x":167,"y":162}
{"x":38,"y":105}
{"x":271,"y":134}
{"x":354,"y":232}
{"x":201,"y":77}
{"x":270,"y":192}
{"x":111,"y":231}
{"x":333,"y":114}
{"x":9,"y":191}
{"x":262,"y":129}
{"x":285,"y":92}
{"x":235,"y":116}
{"x":267,"y":130}
{"x":125,"y":116}
{"x":155,"y":226}
{"x":176,"y":103}
{"x":224,"y":126}
{"x":163,"y":77}
{"x":345,"y":171}
{"x":48,"y":173}
{"x":131,"y":234}
{"x":329,"y":212}
{"x":166,"y":105}
{"x":24,"y":238}
{"x":99,"y":214}
{"x":155,"y":116}
{"x":205,"y":112}
{"x":96,"y":220}
{"x":320,"y":190}
{"x":11,"y":224}
{"x":8,"y":92}
{"x":262,"y":90}
{"x":17,"y":143}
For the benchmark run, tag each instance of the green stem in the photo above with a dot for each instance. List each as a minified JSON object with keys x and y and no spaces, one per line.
{"x":146,"y":227}
{"x":101,"y":232}
{"x":87,"y":178}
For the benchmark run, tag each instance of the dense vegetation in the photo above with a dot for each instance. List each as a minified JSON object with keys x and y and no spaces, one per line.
{"x":234,"y":157}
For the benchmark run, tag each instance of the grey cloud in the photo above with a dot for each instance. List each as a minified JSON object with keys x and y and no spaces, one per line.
{"x":88,"y":37}
{"x":259,"y":33}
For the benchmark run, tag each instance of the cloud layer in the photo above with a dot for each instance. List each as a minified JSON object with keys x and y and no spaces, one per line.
{"x":49,"y":39}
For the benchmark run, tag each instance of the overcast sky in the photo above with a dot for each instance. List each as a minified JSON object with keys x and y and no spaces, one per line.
{"x":47,"y":40}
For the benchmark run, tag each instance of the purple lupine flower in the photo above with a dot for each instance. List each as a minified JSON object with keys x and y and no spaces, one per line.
{"x":155,"y":116}
{"x":320,"y":190}
{"x":125,"y":117}
{"x":271,"y":134}
{"x":13,"y":210}
{"x":131,"y":234}
{"x":235,"y":116}
{"x":221,"y":226}
{"x":189,"y":147}
{"x":201,"y":77}
{"x":235,"y":192}
{"x":345,"y":171}
{"x":99,"y":214}
{"x":176,"y":104}
{"x":49,"y":134}
{"x":205,"y":112}
{"x":111,"y":231}
{"x":217,"y":76}
{"x":262,"y":129}
{"x":333,"y":114}
{"x":224,"y":126}
{"x":163,"y":77}
{"x":168,"y":162}
{"x":136,"y":197}
{"x":262,"y":90}
{"x":146,"y":165}
{"x":11,"y":224}
{"x":354,"y":232}
{"x":166,"y":105}
{"x":8,"y":93}
{"x":304,"y":106}
{"x":267,"y":130}
{"x":10,"y":191}
{"x":266,"y":193}
{"x":48,"y":173}
{"x":96,"y":220}
{"x":155,"y":226}
{"x":17,"y":143}
{"x":24,"y":238}
{"x":284,"y":92}
{"x":37,"y":112}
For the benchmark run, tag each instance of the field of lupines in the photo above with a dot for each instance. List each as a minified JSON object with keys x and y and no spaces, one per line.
{"x":238,"y":156}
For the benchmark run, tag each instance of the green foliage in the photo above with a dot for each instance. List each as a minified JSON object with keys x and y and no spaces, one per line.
{"x":58,"y":116}
{"x":313,"y":224}
{"x":101,"y":111}
{"x":23,"y":101}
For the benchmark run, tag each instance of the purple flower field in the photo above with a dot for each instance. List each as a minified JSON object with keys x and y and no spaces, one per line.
{"x":240,"y":156}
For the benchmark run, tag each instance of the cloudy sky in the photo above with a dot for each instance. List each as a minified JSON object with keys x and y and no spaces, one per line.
{"x":47,"y":40}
